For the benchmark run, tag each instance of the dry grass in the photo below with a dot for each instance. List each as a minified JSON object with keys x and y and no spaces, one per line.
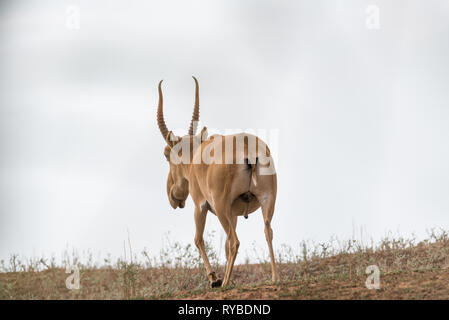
{"x":333,"y":270}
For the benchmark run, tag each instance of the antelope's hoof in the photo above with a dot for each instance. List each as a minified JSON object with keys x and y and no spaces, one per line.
{"x":216,"y":283}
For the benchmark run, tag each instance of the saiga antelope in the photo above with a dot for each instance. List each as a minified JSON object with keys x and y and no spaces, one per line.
{"x":230,"y":186}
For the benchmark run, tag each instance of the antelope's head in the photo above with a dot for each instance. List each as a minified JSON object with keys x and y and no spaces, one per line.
{"x":177,"y":182}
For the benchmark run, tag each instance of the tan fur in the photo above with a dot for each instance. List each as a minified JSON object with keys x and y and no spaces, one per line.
{"x":226,"y":190}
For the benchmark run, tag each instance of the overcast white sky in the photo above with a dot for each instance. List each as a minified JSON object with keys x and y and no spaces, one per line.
{"x":362,"y":114}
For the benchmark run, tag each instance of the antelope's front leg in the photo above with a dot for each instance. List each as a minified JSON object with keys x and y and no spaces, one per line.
{"x":200,"y":222}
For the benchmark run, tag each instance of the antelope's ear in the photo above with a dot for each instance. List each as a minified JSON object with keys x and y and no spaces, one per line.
{"x":171,"y":139}
{"x":203,"y":135}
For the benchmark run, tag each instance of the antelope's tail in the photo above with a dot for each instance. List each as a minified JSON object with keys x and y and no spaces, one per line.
{"x":253,"y":166}
{"x":253,"y":173}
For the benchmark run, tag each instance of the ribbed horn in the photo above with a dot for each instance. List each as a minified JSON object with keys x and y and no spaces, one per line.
{"x":196,"y":110}
{"x":160,"y":114}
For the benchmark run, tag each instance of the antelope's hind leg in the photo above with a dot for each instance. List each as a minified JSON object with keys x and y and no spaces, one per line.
{"x":267,"y":212}
{"x":229,"y":224}
{"x":200,"y":222}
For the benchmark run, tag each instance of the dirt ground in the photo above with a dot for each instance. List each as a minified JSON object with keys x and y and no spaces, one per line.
{"x":404,"y":286}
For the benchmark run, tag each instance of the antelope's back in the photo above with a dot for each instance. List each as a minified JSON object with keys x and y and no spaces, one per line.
{"x":233,"y":149}
{"x":226,"y":164}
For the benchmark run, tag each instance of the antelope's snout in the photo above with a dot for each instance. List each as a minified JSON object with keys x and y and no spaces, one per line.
{"x":176,"y":202}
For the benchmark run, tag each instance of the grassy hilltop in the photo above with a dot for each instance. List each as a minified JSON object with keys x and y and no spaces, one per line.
{"x":408,"y":270}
